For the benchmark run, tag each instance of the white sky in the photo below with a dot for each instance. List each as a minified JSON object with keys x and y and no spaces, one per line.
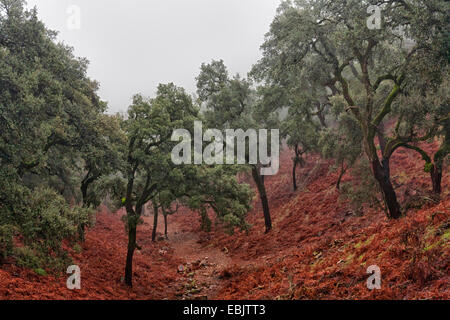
{"x":133,"y":45}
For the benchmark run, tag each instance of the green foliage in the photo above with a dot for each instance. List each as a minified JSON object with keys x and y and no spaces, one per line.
{"x":77,"y":248}
{"x":362,"y":190}
{"x":100,"y":151}
{"x":40,"y":272}
{"x":43,"y":225}
{"x":148,"y":173}
{"x":27,"y":257}
{"x":50,"y":220}
{"x":6,"y":241}
{"x":217,"y":188}
{"x":149,"y":128}
{"x":428,"y":167}
{"x":342,"y":142}
{"x":205,"y":221}
{"x":36,"y":258}
{"x":55,"y":143}
{"x":323,"y":51}
{"x":232,"y":103}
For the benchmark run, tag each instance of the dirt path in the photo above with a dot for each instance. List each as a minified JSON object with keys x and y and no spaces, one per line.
{"x":202,"y":267}
{"x":201,"y":264}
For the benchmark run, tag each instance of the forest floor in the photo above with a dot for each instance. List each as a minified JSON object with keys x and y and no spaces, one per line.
{"x":319,"y":248}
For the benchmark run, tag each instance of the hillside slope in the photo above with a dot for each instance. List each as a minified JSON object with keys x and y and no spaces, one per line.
{"x":320,"y":249}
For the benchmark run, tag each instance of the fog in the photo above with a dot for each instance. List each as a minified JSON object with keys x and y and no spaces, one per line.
{"x":133,"y":45}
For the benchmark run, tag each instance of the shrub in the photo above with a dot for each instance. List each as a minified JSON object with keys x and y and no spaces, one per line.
{"x":43,"y":220}
{"x":6,"y":241}
{"x":77,"y":248}
{"x":40,"y":272}
{"x":28,"y":258}
{"x":363,"y":190}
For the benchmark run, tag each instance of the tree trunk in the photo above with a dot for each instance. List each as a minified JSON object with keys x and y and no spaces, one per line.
{"x":205,"y":222}
{"x":436,"y":169}
{"x":322,"y":119}
{"x":84,"y":188}
{"x":382,"y":175}
{"x":131,"y":247}
{"x":297,"y":160}
{"x":381,"y":138}
{"x":436,"y":179}
{"x":82,"y":226}
{"x":341,"y":175}
{"x":165,"y":227}
{"x":294,"y":177}
{"x":263,"y":195}
{"x":155,"y":221}
{"x":82,"y":232}
{"x":441,"y":154}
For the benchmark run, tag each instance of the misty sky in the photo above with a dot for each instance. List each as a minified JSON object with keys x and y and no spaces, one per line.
{"x":133,"y":45}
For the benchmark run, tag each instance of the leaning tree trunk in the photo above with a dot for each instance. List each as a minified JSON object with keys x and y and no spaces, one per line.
{"x":341,"y":176}
{"x":382,"y":175}
{"x":263,"y":195}
{"x":155,"y":221}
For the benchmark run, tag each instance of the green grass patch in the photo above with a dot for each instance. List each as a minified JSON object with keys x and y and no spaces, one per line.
{"x":77,"y":248}
{"x":40,"y":272}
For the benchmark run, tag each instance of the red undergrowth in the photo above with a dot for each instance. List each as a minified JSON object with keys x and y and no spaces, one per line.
{"x":318,"y":249}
